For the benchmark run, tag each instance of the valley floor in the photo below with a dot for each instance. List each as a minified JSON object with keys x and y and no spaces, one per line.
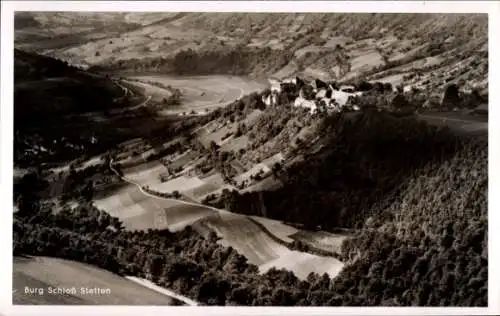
{"x":200,"y":94}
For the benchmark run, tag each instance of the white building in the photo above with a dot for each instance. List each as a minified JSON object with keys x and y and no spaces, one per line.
{"x":301,"y":102}
{"x":321,"y":94}
{"x":271,"y":99}
{"x":275,"y":85}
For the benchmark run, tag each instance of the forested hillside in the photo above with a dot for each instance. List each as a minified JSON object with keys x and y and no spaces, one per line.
{"x":403,"y":202}
{"x":415,"y":194}
{"x":420,"y":250}
{"x":238,"y":60}
{"x":62,"y":113}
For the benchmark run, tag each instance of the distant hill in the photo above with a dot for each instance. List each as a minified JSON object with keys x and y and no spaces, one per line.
{"x":60,"y":111}
{"x":400,"y":48}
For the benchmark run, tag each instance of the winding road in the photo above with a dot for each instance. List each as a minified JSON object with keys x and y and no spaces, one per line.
{"x":317,"y":251}
{"x":141,"y":188}
{"x":148,"y":284}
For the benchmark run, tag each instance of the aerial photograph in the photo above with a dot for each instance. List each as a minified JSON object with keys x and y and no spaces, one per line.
{"x":250,"y":159}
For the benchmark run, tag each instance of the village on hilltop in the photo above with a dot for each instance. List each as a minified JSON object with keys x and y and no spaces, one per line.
{"x":319,"y":96}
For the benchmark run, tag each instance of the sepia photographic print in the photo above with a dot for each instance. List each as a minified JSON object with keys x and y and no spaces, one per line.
{"x":248,"y":158}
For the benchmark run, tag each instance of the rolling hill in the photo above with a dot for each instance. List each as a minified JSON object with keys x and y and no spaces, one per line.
{"x":379,"y":202}
{"x":85,"y":285}
{"x":313,"y":45}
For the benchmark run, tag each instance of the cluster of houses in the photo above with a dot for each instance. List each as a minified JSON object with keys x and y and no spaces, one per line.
{"x":315,"y":95}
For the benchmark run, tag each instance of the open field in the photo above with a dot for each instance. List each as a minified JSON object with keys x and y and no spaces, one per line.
{"x":253,"y":171}
{"x":320,"y":239}
{"x":146,"y":174}
{"x":266,"y":184}
{"x":282,"y":231}
{"x":271,"y":161}
{"x":183,"y":159}
{"x":218,"y":136}
{"x":162,"y":290}
{"x":156,"y":93}
{"x":180,"y":184}
{"x":204,"y":93}
{"x":366,"y":60}
{"x":141,"y":211}
{"x":236,"y":143}
{"x":173,"y":118}
{"x":44,"y":272}
{"x":259,"y":248}
{"x":210,"y":184}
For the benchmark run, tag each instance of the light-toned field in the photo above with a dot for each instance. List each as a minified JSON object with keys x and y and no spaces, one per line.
{"x":401,"y":55}
{"x":205,"y":93}
{"x":310,"y":49}
{"x":156,"y":93}
{"x":320,"y":239}
{"x":316,"y":73}
{"x":211,"y":184}
{"x":235,"y":144}
{"x":183,"y":159}
{"x":139,"y":211}
{"x":180,"y":184}
{"x":366,"y":60}
{"x":337,"y":40}
{"x":290,"y":69}
{"x":271,"y":161}
{"x":146,"y":174}
{"x":259,"y":248}
{"x":218,"y":136}
{"x":303,"y":263}
{"x":417,"y":64}
{"x":44,"y":272}
{"x":254,"y":170}
{"x":393,"y":79}
{"x":269,"y":183}
{"x":282,"y":231}
{"x":159,"y":289}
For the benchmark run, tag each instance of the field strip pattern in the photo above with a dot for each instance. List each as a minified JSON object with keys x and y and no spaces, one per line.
{"x":249,"y":237}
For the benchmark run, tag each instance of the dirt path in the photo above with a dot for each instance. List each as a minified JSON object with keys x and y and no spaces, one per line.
{"x":463,"y":126}
{"x":164,"y":291}
{"x":445,"y":119}
{"x":140,"y":187}
{"x":277,"y":239}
